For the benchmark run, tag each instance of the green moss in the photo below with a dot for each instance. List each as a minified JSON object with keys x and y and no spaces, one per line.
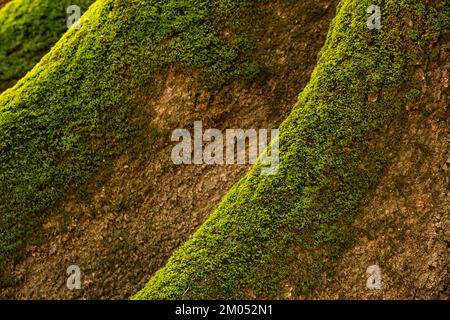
{"x":270,"y":231}
{"x":71,"y":112}
{"x":28,"y":29}
{"x":413,"y":94}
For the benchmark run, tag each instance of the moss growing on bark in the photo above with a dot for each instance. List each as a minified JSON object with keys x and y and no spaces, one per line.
{"x":28,"y":29}
{"x":71,"y":113}
{"x":276,"y":232}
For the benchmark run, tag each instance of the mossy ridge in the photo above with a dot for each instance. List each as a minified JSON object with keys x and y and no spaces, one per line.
{"x":71,"y":112}
{"x":28,"y":29}
{"x":275,"y":231}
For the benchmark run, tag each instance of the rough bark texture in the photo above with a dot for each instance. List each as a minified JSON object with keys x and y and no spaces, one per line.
{"x":147,"y":207}
{"x":131,"y":216}
{"x":276,"y":237}
{"x":405,"y":225}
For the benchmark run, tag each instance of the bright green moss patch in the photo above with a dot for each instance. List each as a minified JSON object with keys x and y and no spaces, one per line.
{"x":28,"y":29}
{"x":71,"y":112}
{"x":276,"y":232}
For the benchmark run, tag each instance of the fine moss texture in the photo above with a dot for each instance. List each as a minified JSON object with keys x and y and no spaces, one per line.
{"x":275,"y":234}
{"x":71,"y":113}
{"x":28,"y":29}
